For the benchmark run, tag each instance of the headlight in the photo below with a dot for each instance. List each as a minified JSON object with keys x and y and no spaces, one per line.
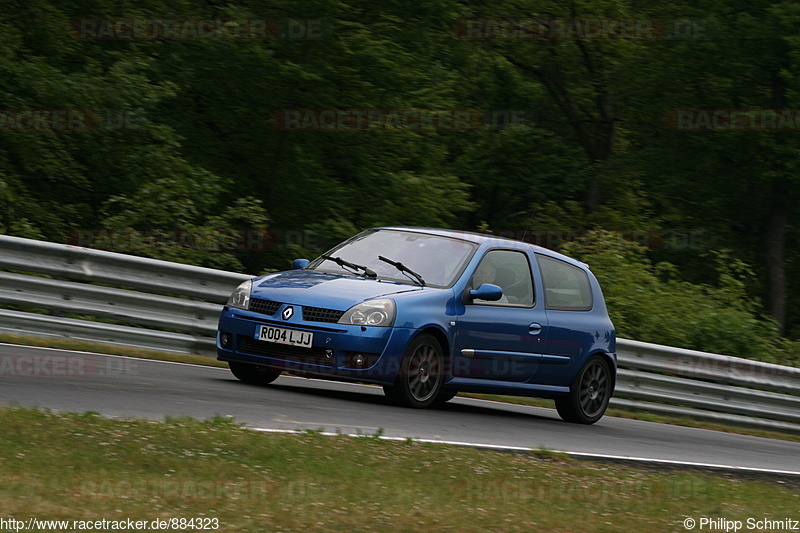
{"x":370,"y":313}
{"x":241,"y":296}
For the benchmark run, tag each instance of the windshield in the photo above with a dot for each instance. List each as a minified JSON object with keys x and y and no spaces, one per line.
{"x":438,"y":260}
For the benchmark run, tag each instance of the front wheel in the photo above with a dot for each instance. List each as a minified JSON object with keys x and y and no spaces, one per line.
{"x":589,"y":395}
{"x":254,"y":374}
{"x":445,"y":395}
{"x":421,"y":374}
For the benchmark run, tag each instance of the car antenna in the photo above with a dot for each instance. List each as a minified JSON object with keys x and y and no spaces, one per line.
{"x":525,"y":233}
{"x":528,"y":225}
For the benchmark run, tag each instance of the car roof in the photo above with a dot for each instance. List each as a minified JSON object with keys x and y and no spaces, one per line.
{"x":483,"y":238}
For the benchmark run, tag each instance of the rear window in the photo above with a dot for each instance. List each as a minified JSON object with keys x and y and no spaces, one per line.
{"x":566,"y":287}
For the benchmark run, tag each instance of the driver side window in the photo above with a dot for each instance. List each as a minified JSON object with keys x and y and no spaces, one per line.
{"x":510,"y":271}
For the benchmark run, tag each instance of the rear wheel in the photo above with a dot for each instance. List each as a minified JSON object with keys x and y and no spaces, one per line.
{"x":589,"y":394}
{"x":419,"y":381}
{"x":254,"y":374}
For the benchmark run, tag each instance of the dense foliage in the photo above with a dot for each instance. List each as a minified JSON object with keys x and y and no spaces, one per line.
{"x":197,"y":145}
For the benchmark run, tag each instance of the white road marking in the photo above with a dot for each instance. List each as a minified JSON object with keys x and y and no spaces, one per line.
{"x":521,"y":449}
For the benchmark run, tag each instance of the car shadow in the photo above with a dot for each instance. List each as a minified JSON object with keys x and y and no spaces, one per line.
{"x":486,"y":407}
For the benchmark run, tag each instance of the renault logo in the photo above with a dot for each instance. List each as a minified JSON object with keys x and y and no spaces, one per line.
{"x":287,"y":313}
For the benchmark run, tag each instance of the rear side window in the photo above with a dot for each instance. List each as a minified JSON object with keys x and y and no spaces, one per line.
{"x":566,"y":287}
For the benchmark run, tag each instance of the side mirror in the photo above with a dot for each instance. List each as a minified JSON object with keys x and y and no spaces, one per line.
{"x":299,"y":264}
{"x":486,"y":291}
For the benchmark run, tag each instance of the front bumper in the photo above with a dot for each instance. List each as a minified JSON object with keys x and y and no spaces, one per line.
{"x":340,"y":351}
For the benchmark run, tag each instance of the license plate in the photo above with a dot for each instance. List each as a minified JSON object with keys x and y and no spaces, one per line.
{"x":292,"y":337}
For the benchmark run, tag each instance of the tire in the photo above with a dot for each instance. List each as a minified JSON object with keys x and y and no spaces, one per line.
{"x":419,"y":382}
{"x":589,"y":394}
{"x":254,"y":374}
{"x":445,"y":395}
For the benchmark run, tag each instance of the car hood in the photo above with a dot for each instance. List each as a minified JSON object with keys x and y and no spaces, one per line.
{"x":324,"y":289}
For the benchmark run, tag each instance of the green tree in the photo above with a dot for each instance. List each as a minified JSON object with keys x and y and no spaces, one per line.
{"x":652,"y":303}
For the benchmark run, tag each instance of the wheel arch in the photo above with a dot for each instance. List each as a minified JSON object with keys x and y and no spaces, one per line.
{"x":611,"y":359}
{"x":441,"y":337}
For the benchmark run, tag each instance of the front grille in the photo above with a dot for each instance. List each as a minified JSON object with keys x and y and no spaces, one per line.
{"x":313,"y":355}
{"x":266,"y":307}
{"x":318,"y":314}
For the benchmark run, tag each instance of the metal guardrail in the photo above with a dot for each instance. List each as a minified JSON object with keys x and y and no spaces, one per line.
{"x":711,"y":387}
{"x":37,"y":325}
{"x":130,"y":295}
{"x":165,"y":306}
{"x":85,"y":264}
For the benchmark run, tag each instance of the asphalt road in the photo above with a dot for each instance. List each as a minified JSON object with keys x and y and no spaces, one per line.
{"x":125,"y":387}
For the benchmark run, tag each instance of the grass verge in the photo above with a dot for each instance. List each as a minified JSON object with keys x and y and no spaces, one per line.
{"x":86,"y":467}
{"x":84,"y":346}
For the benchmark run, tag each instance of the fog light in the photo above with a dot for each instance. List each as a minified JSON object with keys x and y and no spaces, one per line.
{"x":359,"y":359}
{"x":225,"y":340}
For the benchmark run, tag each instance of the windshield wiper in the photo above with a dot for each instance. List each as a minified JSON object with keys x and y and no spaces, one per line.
{"x":352,"y":266}
{"x":404,"y":269}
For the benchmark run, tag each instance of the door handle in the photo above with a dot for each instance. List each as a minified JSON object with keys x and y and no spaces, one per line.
{"x":535,"y":328}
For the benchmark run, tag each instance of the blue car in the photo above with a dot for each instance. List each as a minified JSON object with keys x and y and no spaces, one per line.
{"x":427,"y":313}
